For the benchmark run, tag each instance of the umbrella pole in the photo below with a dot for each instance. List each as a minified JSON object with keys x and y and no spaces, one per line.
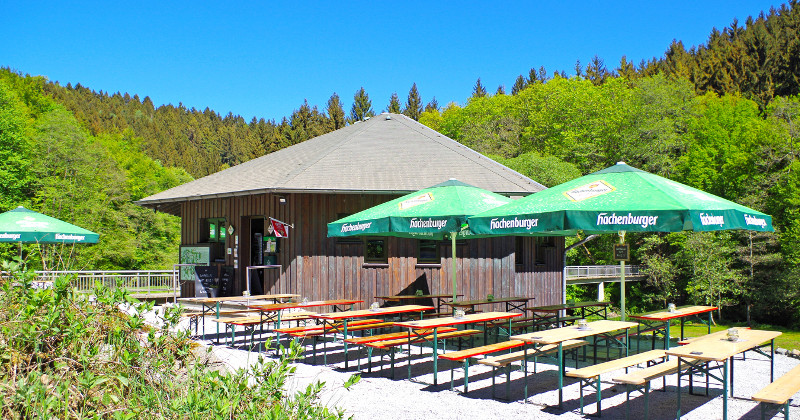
{"x":453,"y":240}
{"x":622,"y":276}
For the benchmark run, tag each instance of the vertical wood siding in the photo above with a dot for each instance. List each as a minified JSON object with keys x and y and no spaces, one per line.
{"x":319,"y":267}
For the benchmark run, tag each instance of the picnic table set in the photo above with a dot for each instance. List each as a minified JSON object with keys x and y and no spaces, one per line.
{"x":557,"y":331}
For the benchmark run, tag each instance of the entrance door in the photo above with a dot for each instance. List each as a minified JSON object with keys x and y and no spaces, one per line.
{"x":255,"y":254}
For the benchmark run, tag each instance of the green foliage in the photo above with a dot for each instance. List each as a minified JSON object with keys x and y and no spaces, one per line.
{"x":336,"y":116}
{"x":478,"y":91}
{"x":547,"y":170}
{"x":362,"y":106}
{"x":87,"y":180}
{"x":394,"y":104}
{"x":15,"y":150}
{"x":413,"y":107}
{"x":758,"y":60}
{"x":64,"y":355}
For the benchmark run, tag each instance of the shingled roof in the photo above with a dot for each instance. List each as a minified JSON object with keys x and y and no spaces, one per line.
{"x":388,"y":153}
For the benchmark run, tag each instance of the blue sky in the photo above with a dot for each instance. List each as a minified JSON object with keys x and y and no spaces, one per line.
{"x":263,"y":59}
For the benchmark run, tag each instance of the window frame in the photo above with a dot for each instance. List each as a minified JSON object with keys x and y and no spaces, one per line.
{"x":381,"y":259}
{"x":437,"y":249}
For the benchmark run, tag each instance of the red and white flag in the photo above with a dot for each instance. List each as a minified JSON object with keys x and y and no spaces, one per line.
{"x":280,"y":229}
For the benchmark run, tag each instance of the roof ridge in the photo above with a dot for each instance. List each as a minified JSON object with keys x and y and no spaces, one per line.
{"x":475,"y":155}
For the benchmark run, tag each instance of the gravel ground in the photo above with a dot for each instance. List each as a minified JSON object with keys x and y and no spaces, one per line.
{"x":376,"y":395}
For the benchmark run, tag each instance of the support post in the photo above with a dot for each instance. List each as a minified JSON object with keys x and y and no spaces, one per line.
{"x":622,"y":277}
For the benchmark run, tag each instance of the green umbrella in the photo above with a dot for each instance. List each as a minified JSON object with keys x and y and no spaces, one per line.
{"x":26,"y":226}
{"x":619,"y":199}
{"x":437,"y":212}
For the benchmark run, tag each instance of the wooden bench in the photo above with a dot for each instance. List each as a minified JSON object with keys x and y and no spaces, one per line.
{"x":590,"y":375}
{"x":505,"y":360}
{"x":390,"y":344}
{"x":392,"y":336}
{"x":361,"y":341}
{"x":464,"y":356}
{"x":340,"y":329}
{"x":322,"y":326}
{"x":641,"y":379}
{"x":334,"y":329}
{"x":779,"y":392}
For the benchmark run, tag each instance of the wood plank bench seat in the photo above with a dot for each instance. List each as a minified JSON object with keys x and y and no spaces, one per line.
{"x":390,"y":344}
{"x":641,"y":379}
{"x":779,"y":392}
{"x":321,"y":326}
{"x":505,"y":360}
{"x":391,"y":336}
{"x":385,"y":344}
{"x":340,"y":329}
{"x":590,"y":375}
{"x":466,"y":354}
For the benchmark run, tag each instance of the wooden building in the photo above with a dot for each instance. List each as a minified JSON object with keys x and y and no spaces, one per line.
{"x":328,"y":177}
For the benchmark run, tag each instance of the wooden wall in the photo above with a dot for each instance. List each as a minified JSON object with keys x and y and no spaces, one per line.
{"x":319,"y":267}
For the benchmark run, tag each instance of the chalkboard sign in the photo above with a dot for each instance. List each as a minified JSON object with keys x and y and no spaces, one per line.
{"x":206,"y":280}
{"x":622,"y":252}
{"x":226,"y":282}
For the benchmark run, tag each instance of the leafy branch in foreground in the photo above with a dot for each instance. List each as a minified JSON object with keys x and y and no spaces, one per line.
{"x":70,"y":355}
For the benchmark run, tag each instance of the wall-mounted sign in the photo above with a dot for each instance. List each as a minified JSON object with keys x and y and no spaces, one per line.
{"x":193,"y":254}
{"x":622,"y":252}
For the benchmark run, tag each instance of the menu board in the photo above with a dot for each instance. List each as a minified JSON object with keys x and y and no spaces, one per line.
{"x":226,"y":282}
{"x":206,"y":281}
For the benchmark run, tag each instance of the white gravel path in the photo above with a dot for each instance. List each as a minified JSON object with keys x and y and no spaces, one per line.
{"x":379,"y":396}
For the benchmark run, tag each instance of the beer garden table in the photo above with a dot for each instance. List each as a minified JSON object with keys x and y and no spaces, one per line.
{"x":345,"y":316}
{"x":436,"y":323}
{"x":512,"y":303}
{"x":717,"y":348}
{"x":210,"y":304}
{"x":273,"y":312}
{"x":554,"y":311}
{"x":653,"y":321}
{"x":440,"y":299}
{"x":559,"y":335}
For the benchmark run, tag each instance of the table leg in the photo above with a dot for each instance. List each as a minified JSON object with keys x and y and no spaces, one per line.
{"x":435,"y":355}
{"x":678,"y":416}
{"x":409,"y":353}
{"x":560,"y":373}
{"x":217,"y":318}
{"x":772,"y":361}
{"x":683,"y":320}
{"x":724,"y":390}
{"x":277,"y":333}
{"x":667,"y":336}
{"x":345,"y":343}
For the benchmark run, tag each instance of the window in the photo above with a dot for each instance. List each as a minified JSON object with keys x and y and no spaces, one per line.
{"x":213,"y":230}
{"x":543,"y":243}
{"x":428,"y":252}
{"x":375,"y":251}
{"x":519,"y":250}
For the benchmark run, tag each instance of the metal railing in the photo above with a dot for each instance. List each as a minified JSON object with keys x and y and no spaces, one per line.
{"x":575,"y":272}
{"x":135,"y":281}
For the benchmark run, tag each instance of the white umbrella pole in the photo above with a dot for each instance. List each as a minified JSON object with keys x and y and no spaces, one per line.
{"x":622,"y":276}
{"x":453,"y":240}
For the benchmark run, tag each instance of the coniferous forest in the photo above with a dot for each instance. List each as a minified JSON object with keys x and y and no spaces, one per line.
{"x":721,"y":116}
